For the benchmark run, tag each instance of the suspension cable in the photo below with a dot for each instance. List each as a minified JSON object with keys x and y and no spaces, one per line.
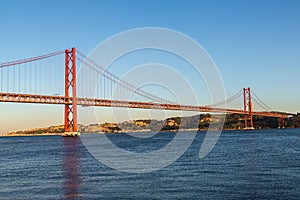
{"x":30,"y":59}
{"x":226,"y":101}
{"x":119,"y":81}
{"x":259,"y":101}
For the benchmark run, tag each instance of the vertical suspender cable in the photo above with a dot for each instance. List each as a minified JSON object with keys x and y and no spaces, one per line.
{"x":13,"y":85}
{"x":57,"y":65}
{"x":30,"y":77}
{"x":45,"y":78}
{"x":39,"y":76}
{"x":111,"y":88}
{"x":7,"y":80}
{"x":104,"y":88}
{"x":24,"y":78}
{"x":49,"y":76}
{"x":19,"y":78}
{"x":26,"y":74}
{"x":90,"y":83}
{"x":35,"y":77}
{"x":1,"y":79}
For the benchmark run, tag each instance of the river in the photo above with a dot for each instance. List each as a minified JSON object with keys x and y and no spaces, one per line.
{"x":259,"y":164}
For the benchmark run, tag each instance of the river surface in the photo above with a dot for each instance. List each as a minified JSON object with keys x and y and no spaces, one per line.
{"x":260,"y":164}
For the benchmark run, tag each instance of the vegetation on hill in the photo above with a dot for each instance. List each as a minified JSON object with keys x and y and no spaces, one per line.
{"x":293,"y":122}
{"x":197,"y":122}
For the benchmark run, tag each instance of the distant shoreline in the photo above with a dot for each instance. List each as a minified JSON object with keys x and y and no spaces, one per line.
{"x":191,"y":123}
{"x":137,"y":131}
{"x":29,"y":134}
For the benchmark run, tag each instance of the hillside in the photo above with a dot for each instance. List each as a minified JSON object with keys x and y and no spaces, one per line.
{"x":197,"y":122}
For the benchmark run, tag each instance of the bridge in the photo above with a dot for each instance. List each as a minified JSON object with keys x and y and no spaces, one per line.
{"x":42,"y":80}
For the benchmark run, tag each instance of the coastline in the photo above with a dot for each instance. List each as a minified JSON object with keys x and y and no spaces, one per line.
{"x":121,"y":132}
{"x":185,"y":124}
{"x":29,"y":134}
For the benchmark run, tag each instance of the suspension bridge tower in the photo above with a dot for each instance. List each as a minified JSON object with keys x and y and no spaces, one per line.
{"x":248,"y":108}
{"x":70,"y":125}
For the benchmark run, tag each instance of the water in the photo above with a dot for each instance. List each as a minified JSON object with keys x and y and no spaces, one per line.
{"x":261,"y":164}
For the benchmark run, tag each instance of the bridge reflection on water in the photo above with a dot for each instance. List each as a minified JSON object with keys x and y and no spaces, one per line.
{"x":71,"y":167}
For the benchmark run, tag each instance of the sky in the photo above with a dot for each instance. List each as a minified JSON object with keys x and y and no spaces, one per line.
{"x":253,"y":43}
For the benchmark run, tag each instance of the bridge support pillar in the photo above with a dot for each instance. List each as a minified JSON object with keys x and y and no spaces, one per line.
{"x":281,"y":122}
{"x":248,"y":108}
{"x":71,"y":128}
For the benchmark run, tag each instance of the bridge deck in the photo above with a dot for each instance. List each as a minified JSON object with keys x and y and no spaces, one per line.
{"x":44,"y":99}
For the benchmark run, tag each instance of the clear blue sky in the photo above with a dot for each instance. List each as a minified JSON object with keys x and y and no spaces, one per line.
{"x":253,"y":43}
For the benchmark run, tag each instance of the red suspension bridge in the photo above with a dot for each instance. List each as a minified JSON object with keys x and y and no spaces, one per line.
{"x":43,"y":79}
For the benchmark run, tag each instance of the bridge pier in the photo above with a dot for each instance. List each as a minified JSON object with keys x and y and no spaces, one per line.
{"x":281,"y":122}
{"x":248,"y":118}
{"x":71,"y":128}
{"x":70,"y":134}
